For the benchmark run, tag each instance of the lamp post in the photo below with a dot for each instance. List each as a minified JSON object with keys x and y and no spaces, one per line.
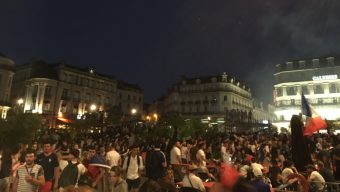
{"x":93,"y":107}
{"x":20,"y":102}
{"x":155,"y":116}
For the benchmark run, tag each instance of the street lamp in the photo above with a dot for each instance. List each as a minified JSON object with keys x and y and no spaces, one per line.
{"x":93,"y":107}
{"x":20,"y":101}
{"x":133,"y":111}
{"x":148,"y":118}
{"x":155,"y":116}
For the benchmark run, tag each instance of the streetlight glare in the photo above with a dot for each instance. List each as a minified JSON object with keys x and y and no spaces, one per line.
{"x":20,"y":101}
{"x":93,"y":107}
{"x":134,"y":111}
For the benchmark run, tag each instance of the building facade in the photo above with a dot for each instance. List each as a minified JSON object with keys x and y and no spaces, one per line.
{"x":129,"y":97}
{"x":6,"y":76}
{"x":212,"y":97}
{"x":60,"y":90}
{"x":318,"y":79}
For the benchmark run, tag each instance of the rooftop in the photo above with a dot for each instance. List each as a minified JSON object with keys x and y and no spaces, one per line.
{"x":324,"y":61}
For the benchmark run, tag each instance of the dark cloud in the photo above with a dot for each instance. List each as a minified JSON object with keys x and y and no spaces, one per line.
{"x":153,"y":43}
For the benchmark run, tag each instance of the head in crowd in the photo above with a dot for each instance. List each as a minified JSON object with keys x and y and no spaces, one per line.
{"x":177,"y":144}
{"x":116,"y":174}
{"x":47,"y":146}
{"x":91,"y":151}
{"x":134,"y":150}
{"x":30,"y":156}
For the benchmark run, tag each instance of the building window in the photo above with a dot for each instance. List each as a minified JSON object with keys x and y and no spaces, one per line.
{"x":333,"y":88}
{"x":9,"y":81}
{"x":305,"y":90}
{"x":140,"y":99}
{"x":48,"y":91}
{"x":129,"y":97}
{"x":291,"y":91}
{"x":35,"y":91}
{"x":76,"y":96}
{"x":87,"y":97}
{"x":318,"y":89}
{"x":75,"y":109}
{"x":107,"y":100}
{"x":279,"y":92}
{"x":46,"y":106}
{"x":134,"y":98}
{"x":225,"y":98}
{"x":98,"y":99}
{"x":64,"y":94}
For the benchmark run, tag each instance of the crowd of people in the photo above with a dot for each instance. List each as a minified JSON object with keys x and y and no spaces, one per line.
{"x":121,"y":161}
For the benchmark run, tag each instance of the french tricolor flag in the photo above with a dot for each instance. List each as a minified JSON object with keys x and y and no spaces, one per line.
{"x":313,"y":120}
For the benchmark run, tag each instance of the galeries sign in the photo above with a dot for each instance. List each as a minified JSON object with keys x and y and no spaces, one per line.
{"x":325,"y":77}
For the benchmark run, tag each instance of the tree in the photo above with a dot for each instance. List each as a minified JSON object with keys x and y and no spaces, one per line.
{"x":20,"y":128}
{"x":114,"y":115}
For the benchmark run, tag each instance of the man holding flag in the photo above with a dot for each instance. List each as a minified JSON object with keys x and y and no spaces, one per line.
{"x":300,"y":151}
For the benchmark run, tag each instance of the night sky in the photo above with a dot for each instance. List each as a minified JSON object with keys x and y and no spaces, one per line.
{"x":155,"y":42}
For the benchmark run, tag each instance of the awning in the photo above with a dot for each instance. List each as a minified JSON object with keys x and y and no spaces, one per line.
{"x":64,"y":120}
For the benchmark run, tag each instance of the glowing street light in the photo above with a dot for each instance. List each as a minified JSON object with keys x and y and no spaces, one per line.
{"x":209,"y":118}
{"x":20,"y":101}
{"x":155,"y":116}
{"x":133,"y":111}
{"x":93,"y":107}
{"x":148,"y":118}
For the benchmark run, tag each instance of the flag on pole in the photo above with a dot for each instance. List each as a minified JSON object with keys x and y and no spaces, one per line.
{"x":314,"y":122}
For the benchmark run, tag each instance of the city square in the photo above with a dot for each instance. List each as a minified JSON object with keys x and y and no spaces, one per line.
{"x":180,"y":96}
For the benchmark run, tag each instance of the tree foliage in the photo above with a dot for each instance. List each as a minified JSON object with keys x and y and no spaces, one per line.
{"x":19,"y":128}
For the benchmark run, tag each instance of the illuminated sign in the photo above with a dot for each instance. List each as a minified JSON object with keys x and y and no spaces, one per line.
{"x":325,"y":77}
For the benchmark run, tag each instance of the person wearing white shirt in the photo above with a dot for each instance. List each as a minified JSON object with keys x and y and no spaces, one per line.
{"x":175,"y":154}
{"x":193,"y":181}
{"x":184,"y":152}
{"x":288,"y":170}
{"x":133,"y":165}
{"x":226,"y":157}
{"x":113,"y":157}
{"x":315,"y":178}
{"x":200,"y":155}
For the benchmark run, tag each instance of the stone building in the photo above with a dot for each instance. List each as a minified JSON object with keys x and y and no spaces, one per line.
{"x":6,"y":76}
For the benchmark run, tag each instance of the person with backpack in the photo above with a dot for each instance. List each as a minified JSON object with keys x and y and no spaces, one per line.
{"x":71,"y":170}
{"x":133,"y":165}
{"x":156,"y":165}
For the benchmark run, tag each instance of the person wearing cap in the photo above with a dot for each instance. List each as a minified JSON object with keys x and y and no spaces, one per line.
{"x":258,"y":182}
{"x":193,"y":181}
{"x":73,"y":157}
{"x":315,"y":178}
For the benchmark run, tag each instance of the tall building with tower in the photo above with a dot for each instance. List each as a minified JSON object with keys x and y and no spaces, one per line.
{"x":6,"y":76}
